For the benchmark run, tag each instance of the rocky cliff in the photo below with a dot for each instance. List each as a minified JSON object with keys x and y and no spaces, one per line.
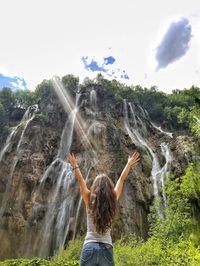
{"x":40,"y":204}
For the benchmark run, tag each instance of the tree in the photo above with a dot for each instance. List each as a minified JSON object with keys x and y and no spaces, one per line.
{"x":24,"y":98}
{"x":2,"y":116}
{"x":70,"y":82}
{"x":7,"y":100}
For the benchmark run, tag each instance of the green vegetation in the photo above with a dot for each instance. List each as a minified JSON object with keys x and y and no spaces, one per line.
{"x":37,"y":262}
{"x":12,"y":107}
{"x":176,"y":111}
{"x":70,"y":82}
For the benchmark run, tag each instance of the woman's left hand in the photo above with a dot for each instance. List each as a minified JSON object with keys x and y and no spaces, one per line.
{"x":72,"y":159}
{"x":133,"y":159}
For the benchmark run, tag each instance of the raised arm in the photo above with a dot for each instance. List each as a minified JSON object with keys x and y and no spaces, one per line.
{"x":83,"y":187}
{"x":132,"y":161}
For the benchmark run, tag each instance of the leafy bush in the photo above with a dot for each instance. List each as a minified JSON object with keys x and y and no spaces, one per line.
{"x":72,"y":252}
{"x":37,"y":262}
{"x":25,"y":262}
{"x":156,"y":252}
{"x":70,"y":82}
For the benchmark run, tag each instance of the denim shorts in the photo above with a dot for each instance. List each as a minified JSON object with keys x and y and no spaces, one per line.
{"x":97,"y":254}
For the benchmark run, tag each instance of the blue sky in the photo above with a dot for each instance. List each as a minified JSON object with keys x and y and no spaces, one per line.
{"x":12,"y":82}
{"x":137,"y":42}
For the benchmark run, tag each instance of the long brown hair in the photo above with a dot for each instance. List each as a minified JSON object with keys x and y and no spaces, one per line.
{"x":102,"y":203}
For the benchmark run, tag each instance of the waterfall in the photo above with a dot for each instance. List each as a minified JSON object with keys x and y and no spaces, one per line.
{"x":93,"y":99}
{"x":79,"y":126}
{"x":68,"y":131}
{"x":165,"y":169}
{"x":158,"y":174}
{"x":58,"y":217}
{"x":27,"y":118}
{"x":134,"y":134}
{"x":93,"y":130}
{"x":127,"y":126}
{"x":7,"y":144}
{"x":59,"y":207}
{"x":145,"y":114}
{"x":164,"y":132}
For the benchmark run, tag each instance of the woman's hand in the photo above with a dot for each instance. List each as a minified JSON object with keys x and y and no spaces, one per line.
{"x":133,"y":159}
{"x":72,"y":159}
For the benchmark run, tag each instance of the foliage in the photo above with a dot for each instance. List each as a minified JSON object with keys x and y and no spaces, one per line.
{"x":2,"y":116}
{"x":44,"y":91}
{"x":9,"y":103}
{"x":179,"y":220}
{"x":155,"y":252}
{"x":179,"y":110}
{"x":37,"y":262}
{"x":7,"y":100}
{"x":172,"y":109}
{"x":174,"y":239}
{"x":132,"y":252}
{"x":70,"y":82}
{"x":72,"y":251}
{"x":24,"y":98}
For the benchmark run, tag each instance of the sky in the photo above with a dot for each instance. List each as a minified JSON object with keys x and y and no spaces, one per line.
{"x":150,"y":43}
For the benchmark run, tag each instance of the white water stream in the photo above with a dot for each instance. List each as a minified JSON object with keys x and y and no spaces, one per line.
{"x":27,"y":118}
{"x":135,"y":133}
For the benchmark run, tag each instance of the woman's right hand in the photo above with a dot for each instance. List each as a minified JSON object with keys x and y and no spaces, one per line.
{"x":133,"y":159}
{"x":72,"y":159}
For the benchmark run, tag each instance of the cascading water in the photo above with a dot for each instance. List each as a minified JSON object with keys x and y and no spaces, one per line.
{"x":165,"y":169}
{"x":67,"y":134}
{"x":60,"y":200}
{"x":60,"y":220}
{"x":93,"y":129}
{"x":80,"y":125}
{"x":145,"y":114}
{"x":27,"y":118}
{"x":8,"y":141}
{"x":158,"y":173}
{"x":93,"y":99}
{"x":127,"y":126}
{"x":164,"y":132}
{"x":135,"y":134}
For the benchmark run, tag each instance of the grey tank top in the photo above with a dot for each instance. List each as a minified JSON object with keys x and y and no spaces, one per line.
{"x":93,"y":236}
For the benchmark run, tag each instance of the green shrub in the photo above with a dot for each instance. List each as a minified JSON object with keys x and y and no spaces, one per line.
{"x":156,"y":252}
{"x":37,"y":262}
{"x":72,"y":252}
{"x":25,"y":262}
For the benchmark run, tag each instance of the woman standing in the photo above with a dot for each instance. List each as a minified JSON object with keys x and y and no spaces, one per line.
{"x":101,"y":203}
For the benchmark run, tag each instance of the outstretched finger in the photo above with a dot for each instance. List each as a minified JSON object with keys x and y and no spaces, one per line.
{"x":135,"y":155}
{"x":131,"y":155}
{"x":134,"y":162}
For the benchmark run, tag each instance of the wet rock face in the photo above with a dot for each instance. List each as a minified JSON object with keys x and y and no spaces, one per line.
{"x":25,"y":202}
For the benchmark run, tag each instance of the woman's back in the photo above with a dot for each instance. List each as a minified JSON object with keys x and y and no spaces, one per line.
{"x":93,"y":236}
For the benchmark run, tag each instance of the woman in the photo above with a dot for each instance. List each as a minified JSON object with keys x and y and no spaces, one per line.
{"x":101,"y":202}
